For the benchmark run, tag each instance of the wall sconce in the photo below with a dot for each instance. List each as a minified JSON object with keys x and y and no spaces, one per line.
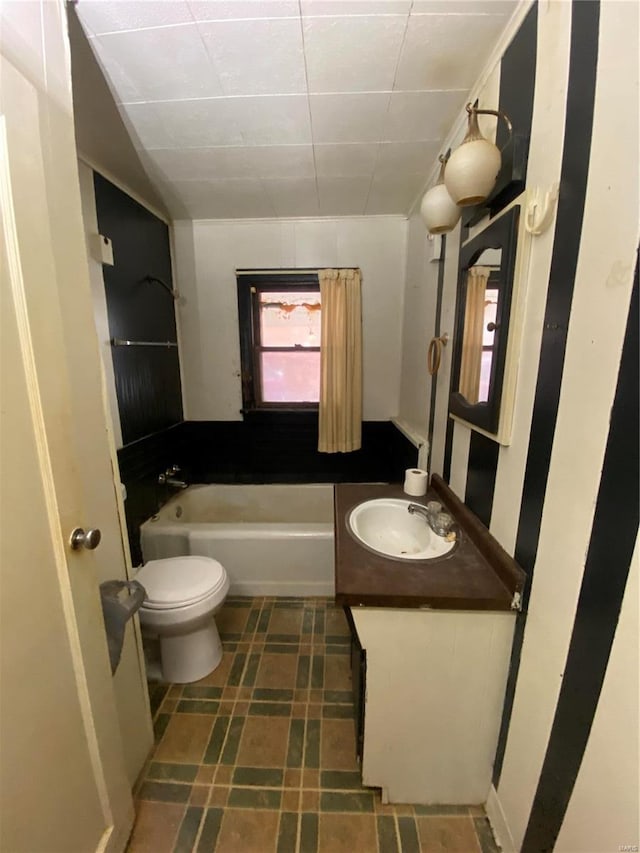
{"x":438,"y":210}
{"x":472,"y":169}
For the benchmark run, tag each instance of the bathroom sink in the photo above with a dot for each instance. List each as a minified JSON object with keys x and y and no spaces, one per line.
{"x":386,"y":526}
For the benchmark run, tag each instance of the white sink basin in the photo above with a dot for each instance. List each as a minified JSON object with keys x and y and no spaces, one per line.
{"x":386,"y":526}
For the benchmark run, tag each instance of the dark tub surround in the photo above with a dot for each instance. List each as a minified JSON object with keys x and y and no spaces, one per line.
{"x":476,"y":575}
{"x":283,"y":448}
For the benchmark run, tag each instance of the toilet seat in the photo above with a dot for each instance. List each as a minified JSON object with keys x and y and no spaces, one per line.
{"x":178,"y":582}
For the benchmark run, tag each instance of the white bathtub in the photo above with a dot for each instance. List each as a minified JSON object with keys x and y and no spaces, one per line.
{"x":272,"y":540}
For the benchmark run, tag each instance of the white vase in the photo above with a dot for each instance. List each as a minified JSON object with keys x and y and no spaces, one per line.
{"x":439,"y":212}
{"x":472,"y":169}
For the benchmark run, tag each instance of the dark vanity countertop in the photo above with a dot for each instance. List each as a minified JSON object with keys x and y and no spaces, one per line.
{"x":476,"y":575}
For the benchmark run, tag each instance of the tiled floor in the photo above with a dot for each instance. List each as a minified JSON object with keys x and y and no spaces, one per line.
{"x":259,"y":756}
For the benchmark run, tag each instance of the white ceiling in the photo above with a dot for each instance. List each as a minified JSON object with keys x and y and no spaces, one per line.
{"x":263,"y":108}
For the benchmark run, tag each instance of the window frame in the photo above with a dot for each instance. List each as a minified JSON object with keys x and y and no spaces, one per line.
{"x":250,"y":286}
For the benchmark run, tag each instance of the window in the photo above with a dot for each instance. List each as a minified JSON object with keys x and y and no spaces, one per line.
{"x":279,"y":318}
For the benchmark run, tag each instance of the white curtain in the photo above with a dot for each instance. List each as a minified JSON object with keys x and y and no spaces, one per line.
{"x":340,"y":415}
{"x":471,"y":361}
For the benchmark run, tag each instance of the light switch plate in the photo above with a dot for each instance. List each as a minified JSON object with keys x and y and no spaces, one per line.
{"x":101,"y":249}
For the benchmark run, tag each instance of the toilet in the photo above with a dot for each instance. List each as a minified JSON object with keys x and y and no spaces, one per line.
{"x":183,"y":594}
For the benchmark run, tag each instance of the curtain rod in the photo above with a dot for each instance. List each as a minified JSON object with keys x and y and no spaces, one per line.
{"x":290,"y":271}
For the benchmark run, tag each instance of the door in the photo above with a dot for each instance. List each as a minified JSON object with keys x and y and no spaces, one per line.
{"x":63,"y":782}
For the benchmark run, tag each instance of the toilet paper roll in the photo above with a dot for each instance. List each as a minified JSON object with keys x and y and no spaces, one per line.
{"x":415,"y":482}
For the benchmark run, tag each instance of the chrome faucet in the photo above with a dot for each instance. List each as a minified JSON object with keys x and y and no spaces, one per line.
{"x":169,"y":479}
{"x":440,"y":522}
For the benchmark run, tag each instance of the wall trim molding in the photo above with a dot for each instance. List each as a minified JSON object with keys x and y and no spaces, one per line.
{"x":498,"y":822}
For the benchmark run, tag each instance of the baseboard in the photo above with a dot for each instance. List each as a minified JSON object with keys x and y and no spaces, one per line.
{"x":498,"y":822}
{"x":284,"y":589}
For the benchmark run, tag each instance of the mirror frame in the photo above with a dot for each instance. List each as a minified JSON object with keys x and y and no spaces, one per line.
{"x":501,"y":233}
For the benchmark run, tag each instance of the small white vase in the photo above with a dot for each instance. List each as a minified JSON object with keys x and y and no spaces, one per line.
{"x":439,"y":212}
{"x":472,"y":169}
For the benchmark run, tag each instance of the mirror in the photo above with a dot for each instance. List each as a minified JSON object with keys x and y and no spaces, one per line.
{"x":485,"y":285}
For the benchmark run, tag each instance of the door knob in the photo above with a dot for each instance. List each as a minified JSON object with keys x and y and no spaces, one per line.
{"x":89,"y":539}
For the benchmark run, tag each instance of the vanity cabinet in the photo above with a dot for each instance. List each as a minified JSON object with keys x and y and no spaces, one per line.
{"x":433,"y":703}
{"x":431,"y":645}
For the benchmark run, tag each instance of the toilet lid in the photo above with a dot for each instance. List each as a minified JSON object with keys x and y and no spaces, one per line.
{"x":180,"y":581}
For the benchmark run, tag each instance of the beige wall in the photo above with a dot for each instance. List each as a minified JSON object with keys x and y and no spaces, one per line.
{"x":207,"y":252}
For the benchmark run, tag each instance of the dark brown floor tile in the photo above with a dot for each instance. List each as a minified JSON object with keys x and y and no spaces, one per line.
{"x":250,"y":671}
{"x":290,"y":800}
{"x":197,"y":706}
{"x":169,"y":706}
{"x":188,"y":830}
{"x":287,"y":621}
{"x":264,"y":743}
{"x":408,"y":831}
{"x":310,"y":778}
{"x":185,"y":739}
{"x":216,"y":740}
{"x":288,"y":831}
{"x":232,"y":621}
{"x":160,"y":726}
{"x":245,"y":831}
{"x":210,"y":830}
{"x":353,"y":801}
{"x":387,"y":835}
{"x":310,"y":801}
{"x":346,"y":833}
{"x":312,"y":744}
{"x":442,"y":811}
{"x":165,"y":792}
{"x":270,"y":709}
{"x":201,"y":691}
{"x":338,"y":745}
{"x":341,"y":780}
{"x":292,"y":778}
{"x":448,"y":834}
{"x":295,"y":747}
{"x":162,"y":771}
{"x":336,"y":623}
{"x":277,"y":671}
{"x":205,"y":775}
{"x":308,"y":832}
{"x":258,"y":777}
{"x":232,"y":742}
{"x":224,"y":775}
{"x":199,"y":795}
{"x":337,"y":672}
{"x":258,"y":798}
{"x":156,"y":827}
{"x":219,"y":796}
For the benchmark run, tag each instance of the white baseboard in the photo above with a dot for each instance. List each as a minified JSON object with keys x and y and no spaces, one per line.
{"x":498,"y":822}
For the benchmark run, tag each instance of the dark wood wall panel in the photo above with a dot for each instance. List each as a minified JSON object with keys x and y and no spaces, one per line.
{"x":481,"y":475}
{"x":147,"y":378}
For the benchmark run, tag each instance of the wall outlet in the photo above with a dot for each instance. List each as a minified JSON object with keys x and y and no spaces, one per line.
{"x":101,"y":249}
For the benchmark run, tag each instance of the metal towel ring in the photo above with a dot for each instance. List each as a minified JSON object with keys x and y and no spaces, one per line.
{"x":434,"y":354}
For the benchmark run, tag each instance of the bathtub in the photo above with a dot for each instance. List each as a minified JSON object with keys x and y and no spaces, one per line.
{"x":274,"y":540}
